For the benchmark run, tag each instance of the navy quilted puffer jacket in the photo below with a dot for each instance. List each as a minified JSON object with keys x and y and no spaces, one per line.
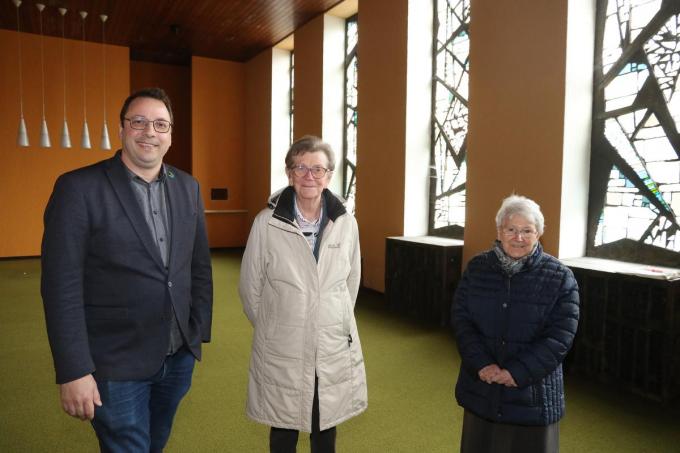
{"x":525,"y":324}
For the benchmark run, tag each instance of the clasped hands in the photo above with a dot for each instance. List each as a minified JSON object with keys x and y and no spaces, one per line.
{"x":493,"y":374}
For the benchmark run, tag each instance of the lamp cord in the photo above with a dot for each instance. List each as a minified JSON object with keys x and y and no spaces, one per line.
{"x":21,"y":79}
{"x":104,"y":59}
{"x":42,"y":65}
{"x":63,"y":61}
{"x":84,"y":91}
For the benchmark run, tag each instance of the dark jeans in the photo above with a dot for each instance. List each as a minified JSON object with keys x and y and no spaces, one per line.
{"x":285,"y":440}
{"x":136,"y":416}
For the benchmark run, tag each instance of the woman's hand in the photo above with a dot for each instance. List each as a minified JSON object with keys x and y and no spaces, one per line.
{"x":488,"y":373}
{"x":493,"y":374}
{"x":504,"y":378}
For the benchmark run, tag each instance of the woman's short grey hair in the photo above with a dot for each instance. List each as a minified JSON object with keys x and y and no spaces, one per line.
{"x":526,"y":207}
{"x":310,"y":144}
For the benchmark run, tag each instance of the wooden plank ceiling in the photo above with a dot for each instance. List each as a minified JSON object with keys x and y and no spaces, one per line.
{"x":171,"y":31}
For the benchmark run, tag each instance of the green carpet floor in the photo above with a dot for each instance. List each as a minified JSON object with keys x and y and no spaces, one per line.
{"x":411,"y":372}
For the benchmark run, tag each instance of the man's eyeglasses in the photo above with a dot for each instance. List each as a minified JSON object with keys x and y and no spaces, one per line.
{"x":524,"y":232}
{"x":140,"y":124}
{"x":317,"y":171}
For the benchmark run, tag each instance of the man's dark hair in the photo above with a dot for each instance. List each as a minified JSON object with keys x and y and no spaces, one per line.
{"x":153,"y":93}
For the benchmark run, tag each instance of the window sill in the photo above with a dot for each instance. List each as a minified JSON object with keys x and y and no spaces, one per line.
{"x":622,"y":267}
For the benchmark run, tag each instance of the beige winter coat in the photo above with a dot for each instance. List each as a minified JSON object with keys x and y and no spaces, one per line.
{"x":303,"y":315}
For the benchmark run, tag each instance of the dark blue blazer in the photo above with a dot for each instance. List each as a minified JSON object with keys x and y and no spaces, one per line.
{"x":108,"y":298}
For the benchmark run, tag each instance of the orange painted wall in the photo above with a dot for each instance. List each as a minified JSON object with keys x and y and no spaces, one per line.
{"x":27,"y":175}
{"x":381,"y":133}
{"x":218,"y":145}
{"x":258,"y":133}
{"x":309,"y":78}
{"x":515,"y":138}
{"x":176,"y":81}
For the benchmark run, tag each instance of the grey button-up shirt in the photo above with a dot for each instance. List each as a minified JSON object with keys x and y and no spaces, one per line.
{"x":153,"y":201}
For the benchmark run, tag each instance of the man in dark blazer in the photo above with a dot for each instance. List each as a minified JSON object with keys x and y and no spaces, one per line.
{"x":127,"y":283}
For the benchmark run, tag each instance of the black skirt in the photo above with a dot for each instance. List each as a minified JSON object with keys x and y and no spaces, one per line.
{"x":482,"y":436}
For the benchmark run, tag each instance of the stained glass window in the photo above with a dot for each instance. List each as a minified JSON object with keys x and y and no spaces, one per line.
{"x":451,"y":48}
{"x":350,"y":139}
{"x":635,"y":170}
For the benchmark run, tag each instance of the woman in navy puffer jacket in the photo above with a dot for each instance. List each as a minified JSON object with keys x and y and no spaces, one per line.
{"x":514,"y":315}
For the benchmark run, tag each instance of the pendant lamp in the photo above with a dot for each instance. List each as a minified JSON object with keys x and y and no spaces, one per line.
{"x":85,"y":136}
{"x":65,"y":137}
{"x":105,"y":143}
{"x":22,"y":135}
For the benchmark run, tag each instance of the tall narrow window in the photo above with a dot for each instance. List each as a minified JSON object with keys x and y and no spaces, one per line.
{"x":350,"y":136}
{"x":635,"y":164}
{"x":291,"y":94}
{"x":451,"y":50}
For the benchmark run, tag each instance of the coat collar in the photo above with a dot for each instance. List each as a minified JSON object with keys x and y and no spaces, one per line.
{"x":283,"y":204}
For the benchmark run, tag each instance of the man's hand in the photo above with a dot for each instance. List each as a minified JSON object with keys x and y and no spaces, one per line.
{"x":488,"y":373}
{"x":78,"y":397}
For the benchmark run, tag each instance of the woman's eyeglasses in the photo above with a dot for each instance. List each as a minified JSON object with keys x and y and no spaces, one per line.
{"x":317,"y":171}
{"x":524,"y":232}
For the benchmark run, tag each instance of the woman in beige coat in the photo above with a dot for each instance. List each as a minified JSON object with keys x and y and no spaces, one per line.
{"x":299,"y":282}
